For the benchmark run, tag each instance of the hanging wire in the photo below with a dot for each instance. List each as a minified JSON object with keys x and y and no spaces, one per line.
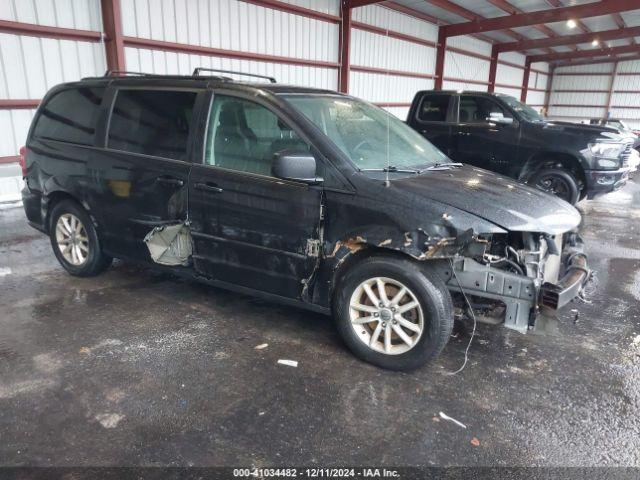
{"x":475,"y":323}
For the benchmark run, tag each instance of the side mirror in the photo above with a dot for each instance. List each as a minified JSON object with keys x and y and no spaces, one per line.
{"x":499,"y":118}
{"x":297,"y":166}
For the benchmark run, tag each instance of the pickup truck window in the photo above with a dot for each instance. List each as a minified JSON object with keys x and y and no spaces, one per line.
{"x":478,"y":109}
{"x":369,"y":136}
{"x":524,"y":110}
{"x":433,"y":108}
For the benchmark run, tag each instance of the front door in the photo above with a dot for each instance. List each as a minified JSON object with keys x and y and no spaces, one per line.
{"x":144,"y":169}
{"x":480,"y":142}
{"x":250,"y":228}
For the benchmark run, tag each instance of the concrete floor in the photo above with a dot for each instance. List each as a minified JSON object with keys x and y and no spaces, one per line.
{"x":140,"y":368}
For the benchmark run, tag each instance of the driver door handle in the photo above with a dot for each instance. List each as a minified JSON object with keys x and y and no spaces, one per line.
{"x":208,"y":187}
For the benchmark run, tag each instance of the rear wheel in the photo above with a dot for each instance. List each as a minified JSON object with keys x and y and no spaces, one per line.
{"x":393,"y":314}
{"x":560,"y":183}
{"x":75,"y":241}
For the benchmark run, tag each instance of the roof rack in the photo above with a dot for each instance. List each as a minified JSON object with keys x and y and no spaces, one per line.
{"x":197,"y":71}
{"x":113,"y":73}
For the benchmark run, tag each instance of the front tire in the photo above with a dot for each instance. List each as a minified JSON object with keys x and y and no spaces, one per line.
{"x":558,"y":182}
{"x":75,"y":241}
{"x":392,"y":313}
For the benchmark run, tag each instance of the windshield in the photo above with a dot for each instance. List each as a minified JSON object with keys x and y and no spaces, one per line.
{"x":618,"y":124}
{"x":525,"y":111}
{"x":371,"y":137}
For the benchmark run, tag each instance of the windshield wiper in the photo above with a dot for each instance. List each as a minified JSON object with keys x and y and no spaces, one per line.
{"x":391,"y":169}
{"x":443,"y":166}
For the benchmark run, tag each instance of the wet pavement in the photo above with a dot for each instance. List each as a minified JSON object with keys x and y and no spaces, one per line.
{"x":140,"y":368}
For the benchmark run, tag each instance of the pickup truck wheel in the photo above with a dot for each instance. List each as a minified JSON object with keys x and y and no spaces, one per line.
{"x":75,"y":241}
{"x":392,"y":313}
{"x":560,"y":183}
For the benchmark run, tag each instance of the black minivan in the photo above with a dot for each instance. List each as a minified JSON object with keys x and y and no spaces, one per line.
{"x":299,"y":195}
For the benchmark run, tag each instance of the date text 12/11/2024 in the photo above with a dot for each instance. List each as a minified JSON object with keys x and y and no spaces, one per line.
{"x":315,"y":473}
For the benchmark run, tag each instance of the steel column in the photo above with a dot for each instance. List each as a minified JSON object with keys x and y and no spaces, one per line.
{"x":112,"y":25}
{"x":493,"y":68}
{"x":610,"y":93}
{"x":345,"y":47}
{"x":440,"y":53}
{"x":525,"y":80}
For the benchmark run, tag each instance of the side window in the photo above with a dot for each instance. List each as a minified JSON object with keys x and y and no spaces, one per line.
{"x":152,"y":122}
{"x":434,"y":108}
{"x":478,"y":109}
{"x":71,"y":116}
{"x":243,"y":135}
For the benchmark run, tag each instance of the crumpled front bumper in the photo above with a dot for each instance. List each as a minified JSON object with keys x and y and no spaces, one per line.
{"x":576,"y":275}
{"x":524,"y":297}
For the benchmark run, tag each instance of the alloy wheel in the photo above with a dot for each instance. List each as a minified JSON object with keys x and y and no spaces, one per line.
{"x":386,"y":315}
{"x":72,"y":239}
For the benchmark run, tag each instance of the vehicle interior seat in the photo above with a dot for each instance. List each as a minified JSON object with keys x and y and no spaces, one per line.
{"x":234,"y":141}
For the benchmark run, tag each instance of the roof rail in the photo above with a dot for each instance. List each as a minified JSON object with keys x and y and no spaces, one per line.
{"x":197,"y":71}
{"x":114,"y":73}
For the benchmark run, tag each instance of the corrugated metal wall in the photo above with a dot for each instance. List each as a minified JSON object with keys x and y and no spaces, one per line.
{"x":385,"y":70}
{"x":233,"y":25}
{"x":29,"y":66}
{"x":581,"y":92}
{"x":375,"y":50}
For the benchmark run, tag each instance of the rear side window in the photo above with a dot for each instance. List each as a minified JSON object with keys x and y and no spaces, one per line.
{"x":434,"y":108}
{"x":152,"y":122}
{"x":70,"y":116}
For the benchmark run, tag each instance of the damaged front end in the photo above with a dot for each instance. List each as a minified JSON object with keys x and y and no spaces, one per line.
{"x":521,"y":275}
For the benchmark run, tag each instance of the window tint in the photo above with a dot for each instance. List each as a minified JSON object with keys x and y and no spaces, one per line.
{"x":478,"y":109}
{"x":434,"y":108}
{"x":152,"y":122}
{"x":244,"y":136}
{"x":71,"y":116}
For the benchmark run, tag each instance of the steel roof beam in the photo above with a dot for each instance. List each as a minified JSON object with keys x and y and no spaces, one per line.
{"x":585,"y":53}
{"x":568,"y":39}
{"x":540,"y":17}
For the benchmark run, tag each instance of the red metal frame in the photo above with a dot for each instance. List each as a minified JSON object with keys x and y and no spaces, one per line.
{"x":568,"y":39}
{"x":112,"y":25}
{"x":440,"y":53}
{"x":19,"y":28}
{"x":611,"y":84}
{"x":385,"y":71}
{"x":601,"y":60}
{"x":493,"y":68}
{"x":585,"y":53}
{"x":345,"y":47}
{"x":219,"y":52}
{"x":507,"y":7}
{"x":18,"y":104}
{"x":541,"y":17}
{"x":10,"y":159}
{"x":525,"y":81}
{"x":295,"y":9}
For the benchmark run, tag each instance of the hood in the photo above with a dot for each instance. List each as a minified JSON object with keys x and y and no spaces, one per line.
{"x":497,"y":199}
{"x":591,"y":131}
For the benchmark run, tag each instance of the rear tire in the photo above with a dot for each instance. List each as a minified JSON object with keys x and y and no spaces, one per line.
{"x":397,"y":337}
{"x":558,"y":182}
{"x":75,"y":241}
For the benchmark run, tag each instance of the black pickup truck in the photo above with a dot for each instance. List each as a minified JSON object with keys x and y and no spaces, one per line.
{"x":499,"y":133}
